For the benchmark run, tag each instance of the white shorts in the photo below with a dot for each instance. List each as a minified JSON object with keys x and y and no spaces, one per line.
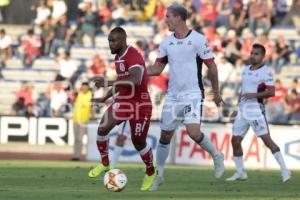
{"x":124,"y":128}
{"x":258,"y":122}
{"x":185,"y":110}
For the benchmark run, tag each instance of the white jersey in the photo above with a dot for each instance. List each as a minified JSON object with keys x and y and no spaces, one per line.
{"x":254,"y":81}
{"x":185,"y":57}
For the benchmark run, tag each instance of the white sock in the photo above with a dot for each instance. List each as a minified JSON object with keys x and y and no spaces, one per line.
{"x":208,"y":146}
{"x":279,"y":158}
{"x":239,"y":163}
{"x":116,"y":154}
{"x":162,"y":153}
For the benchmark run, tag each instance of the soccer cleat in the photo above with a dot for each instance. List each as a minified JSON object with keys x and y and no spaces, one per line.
{"x":157,"y":182}
{"x":286,"y":176}
{"x":237,"y":176}
{"x":219,"y":165}
{"x":148,"y":181}
{"x":98,"y":169}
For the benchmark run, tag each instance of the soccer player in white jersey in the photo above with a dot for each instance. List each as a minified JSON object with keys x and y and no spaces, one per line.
{"x":185,"y":50}
{"x":257,"y":85}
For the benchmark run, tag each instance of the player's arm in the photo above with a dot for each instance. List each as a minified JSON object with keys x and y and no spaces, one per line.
{"x":269,"y":92}
{"x":135,"y":76}
{"x":155,"y":69}
{"x":160,"y":62}
{"x":213,"y":76}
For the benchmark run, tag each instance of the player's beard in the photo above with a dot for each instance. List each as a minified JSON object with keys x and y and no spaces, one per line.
{"x":114,"y":50}
{"x":253,"y":61}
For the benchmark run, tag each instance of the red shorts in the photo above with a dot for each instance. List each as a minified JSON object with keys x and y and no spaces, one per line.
{"x":138,"y":114}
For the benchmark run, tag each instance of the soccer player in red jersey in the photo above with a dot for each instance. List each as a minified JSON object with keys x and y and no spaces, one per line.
{"x":132,"y":103}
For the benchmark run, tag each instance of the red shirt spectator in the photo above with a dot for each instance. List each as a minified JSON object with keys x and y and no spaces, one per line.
{"x":208,"y":11}
{"x":98,"y":65}
{"x":160,"y":10}
{"x":26,"y":93}
{"x":31,"y":43}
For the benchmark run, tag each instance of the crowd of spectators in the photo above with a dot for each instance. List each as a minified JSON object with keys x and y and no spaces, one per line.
{"x":231,"y":26}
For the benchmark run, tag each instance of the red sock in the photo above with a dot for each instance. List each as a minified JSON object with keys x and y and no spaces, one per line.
{"x":148,"y":160}
{"x":103,"y":149}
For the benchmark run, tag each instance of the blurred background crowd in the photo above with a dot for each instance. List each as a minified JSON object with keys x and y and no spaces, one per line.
{"x":46,"y":63}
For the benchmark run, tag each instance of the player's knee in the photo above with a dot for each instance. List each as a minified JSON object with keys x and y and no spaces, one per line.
{"x":165,"y":137}
{"x":102,"y":131}
{"x":235,"y":142}
{"x":139,"y":144}
{"x":271,"y":145}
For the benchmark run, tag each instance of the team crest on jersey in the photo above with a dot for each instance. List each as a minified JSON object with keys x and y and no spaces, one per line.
{"x":122,"y":67}
{"x":189,"y":42}
{"x":171,"y":43}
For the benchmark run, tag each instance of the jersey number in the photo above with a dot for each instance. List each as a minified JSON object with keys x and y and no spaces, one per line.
{"x":139,"y":127}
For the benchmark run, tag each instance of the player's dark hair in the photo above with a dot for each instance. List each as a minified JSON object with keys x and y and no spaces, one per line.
{"x":178,"y":9}
{"x":119,"y":30}
{"x":261,"y":47}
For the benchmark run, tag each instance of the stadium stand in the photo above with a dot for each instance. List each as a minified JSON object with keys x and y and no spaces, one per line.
{"x":146,"y":37}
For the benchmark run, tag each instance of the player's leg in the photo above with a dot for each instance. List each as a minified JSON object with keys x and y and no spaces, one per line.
{"x":139,"y":133}
{"x":168,"y":124}
{"x":192,"y":113}
{"x":263,"y":132}
{"x":123,"y":132}
{"x":203,"y":140}
{"x":107,"y":122}
{"x":162,"y":152}
{"x":239,"y":130}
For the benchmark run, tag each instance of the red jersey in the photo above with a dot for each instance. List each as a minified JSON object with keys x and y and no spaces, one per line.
{"x":132,"y":58}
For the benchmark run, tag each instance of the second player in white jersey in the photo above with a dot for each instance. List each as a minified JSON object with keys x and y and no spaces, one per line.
{"x":251,"y":111}
{"x":257,"y":85}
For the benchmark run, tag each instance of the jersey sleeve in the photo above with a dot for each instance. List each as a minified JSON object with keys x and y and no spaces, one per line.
{"x":134,"y":60}
{"x":204,"y":50}
{"x":162,"y":56}
{"x":268,"y":78}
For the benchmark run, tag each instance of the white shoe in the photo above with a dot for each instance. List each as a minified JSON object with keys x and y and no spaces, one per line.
{"x":238,"y":177}
{"x":286,"y":176}
{"x":157,"y":182}
{"x":219,"y":165}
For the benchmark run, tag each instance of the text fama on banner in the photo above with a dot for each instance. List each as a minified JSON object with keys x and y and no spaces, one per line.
{"x":189,"y":152}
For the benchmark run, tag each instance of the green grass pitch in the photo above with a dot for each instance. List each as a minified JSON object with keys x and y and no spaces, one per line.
{"x":51,"y":180}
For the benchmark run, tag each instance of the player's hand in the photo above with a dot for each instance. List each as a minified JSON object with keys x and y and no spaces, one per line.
{"x":248,"y":96}
{"x":218,"y":99}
